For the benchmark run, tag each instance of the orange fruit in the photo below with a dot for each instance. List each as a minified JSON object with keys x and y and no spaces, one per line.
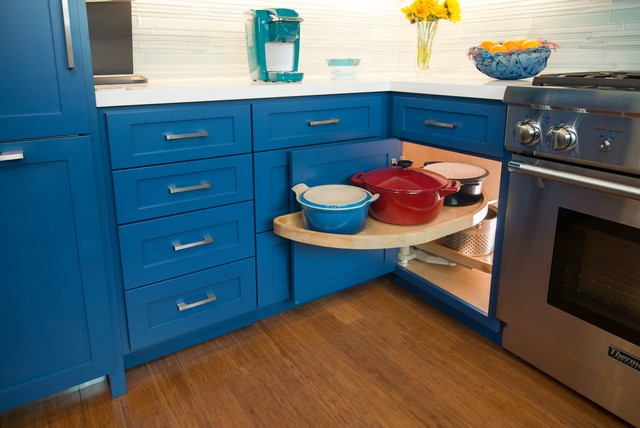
{"x":530,"y":44}
{"x":511,"y":45}
{"x":488,"y":44}
{"x":498,"y":48}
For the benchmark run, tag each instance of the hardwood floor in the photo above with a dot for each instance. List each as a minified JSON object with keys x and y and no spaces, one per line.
{"x":371,"y":356}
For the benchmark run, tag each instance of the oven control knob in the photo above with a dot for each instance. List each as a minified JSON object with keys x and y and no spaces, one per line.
{"x":526,"y":133}
{"x":561,"y":138}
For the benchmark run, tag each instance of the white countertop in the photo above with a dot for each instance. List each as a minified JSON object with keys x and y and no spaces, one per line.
{"x":167,"y":91}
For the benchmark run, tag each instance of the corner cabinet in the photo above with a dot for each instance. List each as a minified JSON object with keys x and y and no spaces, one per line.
{"x":54,"y":299}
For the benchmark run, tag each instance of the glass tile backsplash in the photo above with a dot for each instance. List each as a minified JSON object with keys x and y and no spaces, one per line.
{"x":205,"y":38}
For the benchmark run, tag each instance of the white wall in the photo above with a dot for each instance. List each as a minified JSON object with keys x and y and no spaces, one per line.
{"x":205,"y":38}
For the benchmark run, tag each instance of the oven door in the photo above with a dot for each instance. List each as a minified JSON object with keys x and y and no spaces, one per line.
{"x":569,"y":291}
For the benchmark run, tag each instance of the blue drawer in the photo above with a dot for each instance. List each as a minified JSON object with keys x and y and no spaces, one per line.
{"x":207,"y":297}
{"x":280,"y":124}
{"x":468,"y":125}
{"x":156,"y":191}
{"x":139,"y":137}
{"x":155,"y":250}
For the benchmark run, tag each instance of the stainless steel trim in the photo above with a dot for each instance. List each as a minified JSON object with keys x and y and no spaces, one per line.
{"x":184,"y":306}
{"x":202,"y":185}
{"x":67,"y":34}
{"x":178,"y":246}
{"x":9,"y":156}
{"x":322,"y":122}
{"x":606,"y":186}
{"x":581,"y":100}
{"x":285,"y":19}
{"x":440,"y":124}
{"x":183,"y":136}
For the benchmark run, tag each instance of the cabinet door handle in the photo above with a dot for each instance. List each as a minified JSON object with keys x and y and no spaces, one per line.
{"x":322,"y":122}
{"x":202,"y":185}
{"x":9,"y":156}
{"x":184,"y":306}
{"x":67,"y":34}
{"x":440,"y":124}
{"x":178,"y":246}
{"x":183,"y":136}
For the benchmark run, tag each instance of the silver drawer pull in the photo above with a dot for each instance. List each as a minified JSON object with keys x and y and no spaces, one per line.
{"x":9,"y":156}
{"x":440,"y":124}
{"x":67,"y":34}
{"x":184,"y":306}
{"x":202,"y":185}
{"x":183,"y":136}
{"x":322,"y":122}
{"x":178,"y":246}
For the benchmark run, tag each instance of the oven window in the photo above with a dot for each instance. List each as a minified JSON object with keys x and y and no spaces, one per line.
{"x":595,"y":273}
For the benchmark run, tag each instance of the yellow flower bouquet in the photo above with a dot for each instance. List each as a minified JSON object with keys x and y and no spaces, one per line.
{"x":426,"y":14}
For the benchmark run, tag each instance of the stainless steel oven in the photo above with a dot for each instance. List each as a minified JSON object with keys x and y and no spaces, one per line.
{"x":569,"y":292}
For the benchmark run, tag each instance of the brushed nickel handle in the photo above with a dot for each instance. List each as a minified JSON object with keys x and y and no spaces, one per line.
{"x":440,"y":124}
{"x":184,"y":306}
{"x":9,"y":156}
{"x":67,"y":34}
{"x":178,"y":246}
{"x":322,"y":122}
{"x":183,"y":136}
{"x":202,"y":185}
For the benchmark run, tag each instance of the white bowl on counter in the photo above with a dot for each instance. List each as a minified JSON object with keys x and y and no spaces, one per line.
{"x":343,"y":68}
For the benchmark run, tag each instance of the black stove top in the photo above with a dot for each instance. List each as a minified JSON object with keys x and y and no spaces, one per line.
{"x":611,"y":80}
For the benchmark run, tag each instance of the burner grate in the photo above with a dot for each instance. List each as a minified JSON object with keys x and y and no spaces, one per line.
{"x":609,"y":80}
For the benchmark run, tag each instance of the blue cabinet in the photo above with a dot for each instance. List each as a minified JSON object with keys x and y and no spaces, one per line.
{"x":183,"y":199}
{"x":55,"y":316}
{"x":56,"y":330}
{"x":42,"y":81}
{"x":319,"y":271}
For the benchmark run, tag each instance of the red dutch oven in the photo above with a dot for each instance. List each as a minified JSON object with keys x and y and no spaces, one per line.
{"x":408,"y":196}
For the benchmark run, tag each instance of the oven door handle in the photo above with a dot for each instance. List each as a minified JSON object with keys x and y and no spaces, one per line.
{"x":606,"y":186}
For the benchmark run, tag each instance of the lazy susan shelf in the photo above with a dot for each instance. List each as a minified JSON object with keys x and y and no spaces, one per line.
{"x":377,"y":234}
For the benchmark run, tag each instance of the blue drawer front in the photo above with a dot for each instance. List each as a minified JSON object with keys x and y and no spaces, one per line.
{"x":163,"y":135}
{"x":148,"y":249}
{"x":273,"y":189}
{"x":273,"y":260}
{"x":295,"y":123}
{"x":153,"y":313}
{"x":156,"y":191}
{"x":468,"y":125}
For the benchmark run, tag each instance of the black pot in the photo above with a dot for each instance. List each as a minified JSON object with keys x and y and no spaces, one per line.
{"x":470,"y":177}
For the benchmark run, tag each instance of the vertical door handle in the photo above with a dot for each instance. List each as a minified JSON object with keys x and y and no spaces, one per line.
{"x":67,"y":34}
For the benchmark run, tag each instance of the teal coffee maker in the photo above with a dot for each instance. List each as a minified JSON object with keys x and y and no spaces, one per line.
{"x":273,"y":45}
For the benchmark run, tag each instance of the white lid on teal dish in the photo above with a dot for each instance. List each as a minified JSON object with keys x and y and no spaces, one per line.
{"x":335,"y":195}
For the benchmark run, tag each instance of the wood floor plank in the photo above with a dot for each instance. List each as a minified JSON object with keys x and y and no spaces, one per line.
{"x":140,"y":405}
{"x":175,"y":394}
{"x":260,"y":405}
{"x":385,"y":402}
{"x":219,"y":403}
{"x":345,"y":407}
{"x":371,"y":356}
{"x":99,"y":409}
{"x":301,"y":405}
{"x":32,"y":416}
{"x":64,"y":411}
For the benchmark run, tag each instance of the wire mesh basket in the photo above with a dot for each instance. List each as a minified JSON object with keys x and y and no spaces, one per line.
{"x":511,"y":65}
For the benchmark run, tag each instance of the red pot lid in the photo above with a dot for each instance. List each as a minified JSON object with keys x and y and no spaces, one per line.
{"x":409,"y":180}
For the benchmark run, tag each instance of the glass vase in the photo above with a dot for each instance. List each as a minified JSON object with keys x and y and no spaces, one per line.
{"x":426,"y":35}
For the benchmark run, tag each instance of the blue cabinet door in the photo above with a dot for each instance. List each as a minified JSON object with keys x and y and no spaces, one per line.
{"x":319,"y":271}
{"x":42,"y":83}
{"x":55,"y":329}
